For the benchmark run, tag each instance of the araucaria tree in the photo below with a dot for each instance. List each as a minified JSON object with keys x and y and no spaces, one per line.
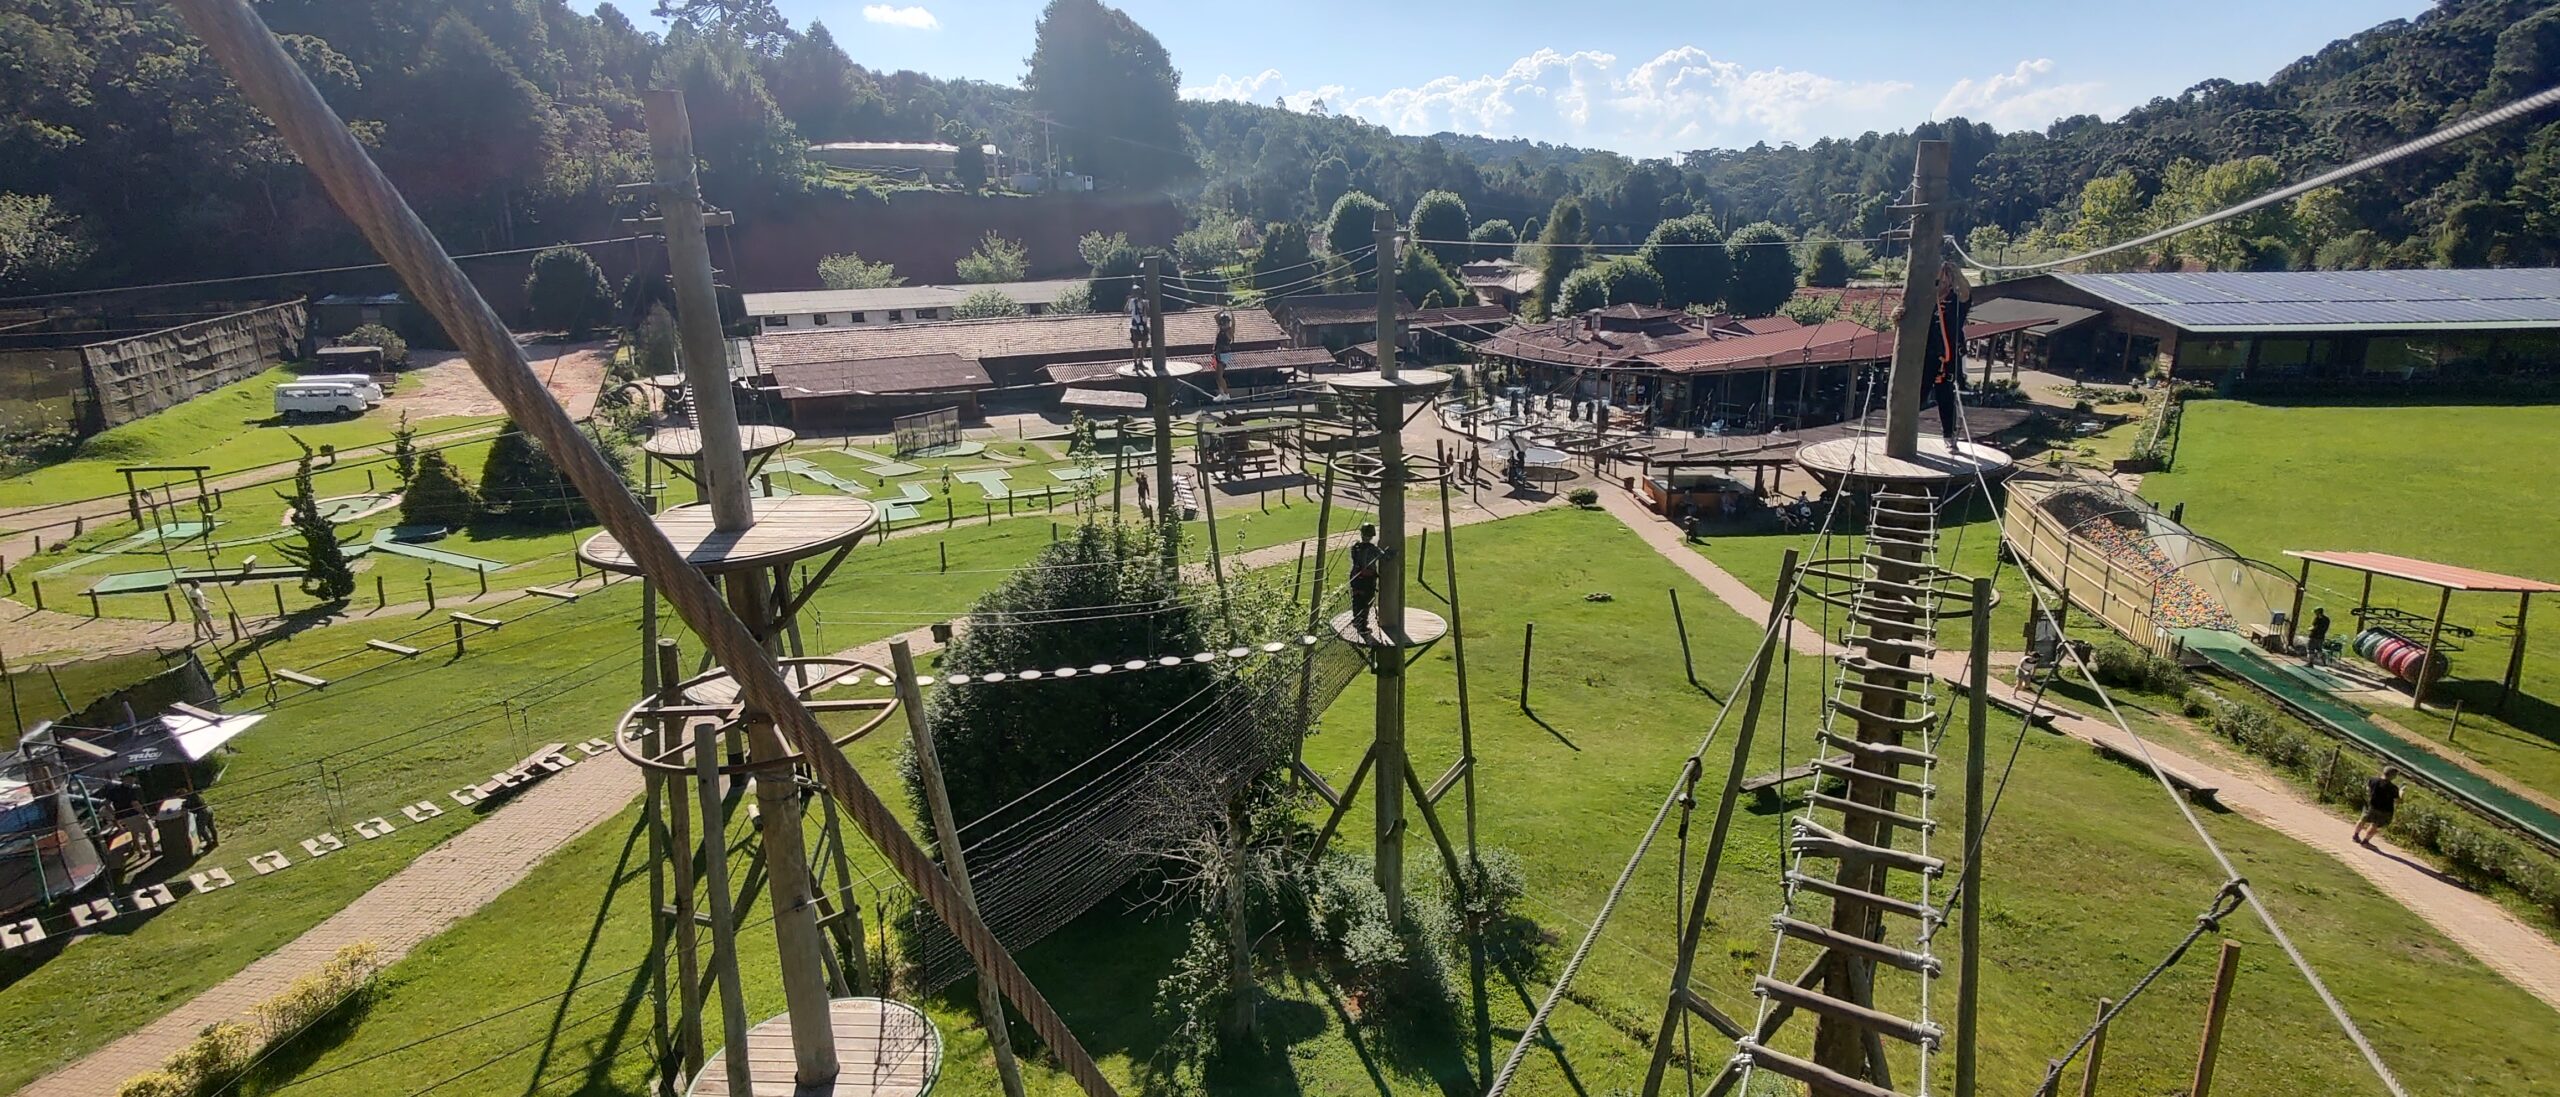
{"x":326,"y":575}
{"x":519,"y":484}
{"x":439,"y":496}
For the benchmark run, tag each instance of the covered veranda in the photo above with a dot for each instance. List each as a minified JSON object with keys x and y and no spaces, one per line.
{"x":2447,"y":579}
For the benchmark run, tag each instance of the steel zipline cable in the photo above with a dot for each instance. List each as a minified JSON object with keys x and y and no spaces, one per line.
{"x":2446,"y":135}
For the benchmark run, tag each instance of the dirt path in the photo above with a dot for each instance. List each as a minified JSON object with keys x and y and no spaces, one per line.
{"x":2492,"y":934}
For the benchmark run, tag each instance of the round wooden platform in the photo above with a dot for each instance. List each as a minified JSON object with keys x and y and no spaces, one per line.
{"x":1420,"y":627}
{"x":1411,"y":382}
{"x":1860,"y":459}
{"x":792,"y":527}
{"x":1132,"y":371}
{"x":685,"y":443}
{"x":883,"y":1049}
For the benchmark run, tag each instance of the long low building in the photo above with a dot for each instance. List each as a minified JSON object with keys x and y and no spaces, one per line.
{"x":2329,"y":329}
{"x":819,"y":308}
{"x":838,"y":376}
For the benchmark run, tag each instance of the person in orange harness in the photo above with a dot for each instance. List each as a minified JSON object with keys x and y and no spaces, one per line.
{"x":1946,"y":345}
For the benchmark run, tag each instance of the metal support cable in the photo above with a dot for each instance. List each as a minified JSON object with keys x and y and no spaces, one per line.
{"x":2448,"y":134}
{"x":2224,"y":903}
{"x":2337,"y":1010}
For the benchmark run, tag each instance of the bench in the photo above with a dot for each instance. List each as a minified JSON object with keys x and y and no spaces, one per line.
{"x":2196,"y":790}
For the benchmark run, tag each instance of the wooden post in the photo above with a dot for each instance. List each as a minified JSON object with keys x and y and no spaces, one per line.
{"x":2097,"y":1050}
{"x":431,"y":589}
{"x":380,"y":599}
{"x":1969,"y":959}
{"x":1682,"y":624}
{"x":457,"y":639}
{"x":2455,"y":728}
{"x":279,"y":593}
{"x":2427,"y":663}
{"x":724,"y":926}
{"x":1458,"y":653}
{"x":169,"y":604}
{"x":484,"y":576}
{"x":1694,"y":923}
{"x":2301,"y":584}
{"x":37,"y":586}
{"x":2223,"y":974}
{"x":942,"y":552}
{"x":680,"y":851}
{"x":954,"y":853}
{"x":1160,"y":404}
{"x":2515,"y":654}
{"x":1928,"y":220}
{"x":1528,"y":642}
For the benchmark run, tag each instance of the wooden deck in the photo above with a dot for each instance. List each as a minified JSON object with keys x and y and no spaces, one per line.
{"x":789,"y":528}
{"x":685,"y":443}
{"x":1861,"y":459}
{"x":883,"y":1049}
{"x":1420,"y":627}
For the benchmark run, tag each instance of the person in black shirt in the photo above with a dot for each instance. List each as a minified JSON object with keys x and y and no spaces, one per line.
{"x":2381,"y":798}
{"x":1945,"y":353}
{"x":2318,"y":652}
{"x":124,"y":801}
{"x":204,"y":818}
{"x":1365,"y":556}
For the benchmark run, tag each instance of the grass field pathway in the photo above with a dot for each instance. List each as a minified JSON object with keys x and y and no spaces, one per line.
{"x":474,"y":867}
{"x":2491,"y":933}
{"x":438,"y":889}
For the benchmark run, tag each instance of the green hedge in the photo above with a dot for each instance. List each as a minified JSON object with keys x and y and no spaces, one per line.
{"x":2480,"y":855}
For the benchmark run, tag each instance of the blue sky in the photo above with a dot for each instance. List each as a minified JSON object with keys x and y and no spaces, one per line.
{"x":1651,"y":77}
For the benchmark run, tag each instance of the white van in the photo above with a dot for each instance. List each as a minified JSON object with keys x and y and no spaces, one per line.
{"x":305,"y":399}
{"x":363,"y":383}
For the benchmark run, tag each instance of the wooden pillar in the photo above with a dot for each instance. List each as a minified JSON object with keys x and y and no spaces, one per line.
{"x":2435,"y":634}
{"x":954,"y":857}
{"x":2301,"y":584}
{"x":2515,"y":653}
{"x":2097,"y":1052}
{"x":2215,"y":1006}
{"x":1978,"y":725}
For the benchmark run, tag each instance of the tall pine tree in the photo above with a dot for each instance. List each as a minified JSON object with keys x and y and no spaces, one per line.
{"x":326,"y":575}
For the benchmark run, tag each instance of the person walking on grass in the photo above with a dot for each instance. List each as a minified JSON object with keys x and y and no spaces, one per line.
{"x":1365,"y":556}
{"x":2318,"y":652}
{"x":2381,"y":798}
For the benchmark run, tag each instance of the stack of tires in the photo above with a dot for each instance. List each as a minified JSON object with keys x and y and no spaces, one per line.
{"x":2404,"y":658}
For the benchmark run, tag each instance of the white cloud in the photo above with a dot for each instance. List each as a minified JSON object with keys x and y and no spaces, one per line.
{"x":2021,"y":98}
{"x":1682,"y":98}
{"x":1236,"y":89}
{"x":911,"y":17}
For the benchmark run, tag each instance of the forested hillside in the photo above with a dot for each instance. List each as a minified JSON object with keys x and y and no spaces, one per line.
{"x":125,"y":157}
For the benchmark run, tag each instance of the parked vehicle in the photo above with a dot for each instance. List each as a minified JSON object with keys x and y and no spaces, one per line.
{"x":363,"y":383}
{"x":306,"y":399}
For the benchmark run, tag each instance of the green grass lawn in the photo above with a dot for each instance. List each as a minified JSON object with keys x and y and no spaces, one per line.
{"x":2091,"y":877}
{"x":386,"y":732}
{"x":231,"y":428}
{"x":2461,"y":485}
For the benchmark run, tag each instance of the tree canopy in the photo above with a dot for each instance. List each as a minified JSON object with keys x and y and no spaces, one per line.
{"x":1350,"y":231}
{"x":1764,"y":270}
{"x":1495,"y":239}
{"x":1439,"y":218}
{"x":1689,"y":254}
{"x":850,"y":271}
{"x":1109,"y":86}
{"x":566,"y":290}
{"x":996,"y":260}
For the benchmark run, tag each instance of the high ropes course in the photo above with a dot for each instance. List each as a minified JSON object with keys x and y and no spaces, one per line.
{"x":749,"y":717}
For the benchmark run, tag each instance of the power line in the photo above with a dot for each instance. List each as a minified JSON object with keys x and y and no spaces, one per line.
{"x":302,"y":273}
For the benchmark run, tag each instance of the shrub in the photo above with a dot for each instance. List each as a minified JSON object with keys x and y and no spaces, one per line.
{"x":220,"y":1054}
{"x":996,"y":260}
{"x":340,"y":983}
{"x":1397,"y":974}
{"x":1583,"y":497}
{"x":566,"y":290}
{"x":438,"y":495}
{"x":2123,"y":665}
{"x":849,"y":271}
{"x":395,"y":350}
{"x":985,"y":304}
{"x":1191,"y":1000}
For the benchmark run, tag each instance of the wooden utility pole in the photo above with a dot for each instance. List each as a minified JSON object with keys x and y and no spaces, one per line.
{"x":723,"y":474}
{"x":2097,"y":1051}
{"x":955,"y":859}
{"x":1389,"y":661}
{"x":1977,"y":723}
{"x":2223,"y":974}
{"x":1160,"y":401}
{"x":1928,"y":209}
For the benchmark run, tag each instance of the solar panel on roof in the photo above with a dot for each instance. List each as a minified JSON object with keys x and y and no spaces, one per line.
{"x":2331,"y":300}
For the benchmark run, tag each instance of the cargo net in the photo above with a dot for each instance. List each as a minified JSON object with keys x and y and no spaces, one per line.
{"x":2195,"y":581}
{"x":1037,"y":867}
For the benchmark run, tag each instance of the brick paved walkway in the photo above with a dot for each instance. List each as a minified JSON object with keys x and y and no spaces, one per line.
{"x":2509,"y":946}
